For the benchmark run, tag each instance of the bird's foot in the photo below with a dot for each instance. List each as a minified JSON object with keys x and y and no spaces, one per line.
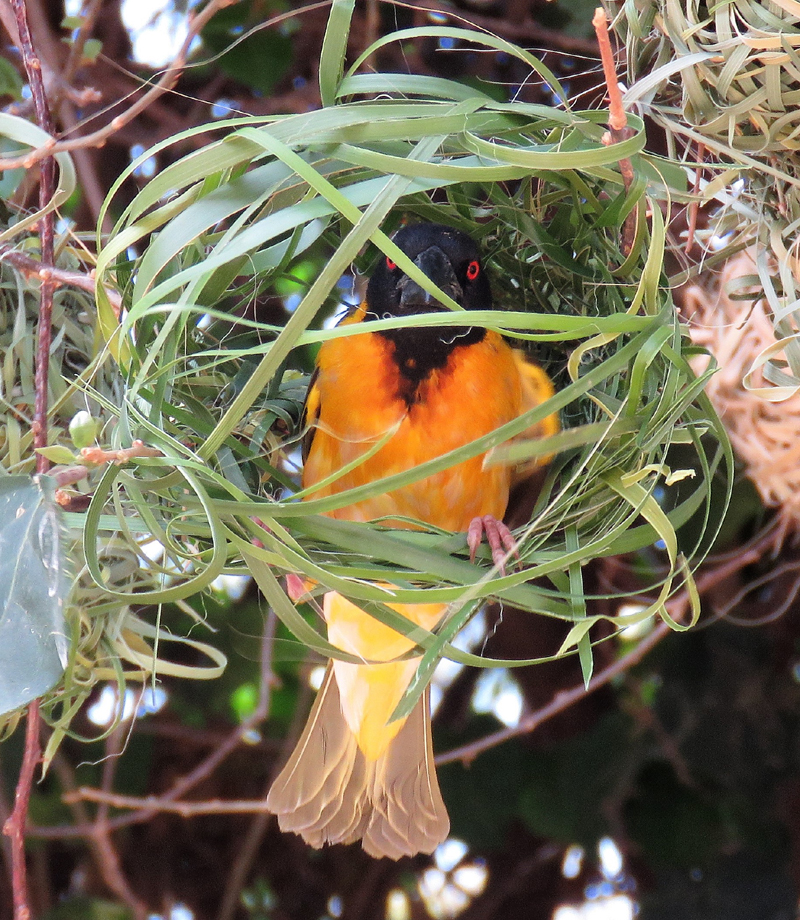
{"x":500,"y":539}
{"x":298,"y":589}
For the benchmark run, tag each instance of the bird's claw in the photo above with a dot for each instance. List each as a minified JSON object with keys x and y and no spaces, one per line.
{"x":500,"y":539}
{"x":298,"y":588}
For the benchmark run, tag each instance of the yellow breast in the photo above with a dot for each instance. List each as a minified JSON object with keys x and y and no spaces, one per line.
{"x":361,"y":400}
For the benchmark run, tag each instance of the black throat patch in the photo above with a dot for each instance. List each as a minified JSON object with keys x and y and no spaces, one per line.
{"x":418,"y":352}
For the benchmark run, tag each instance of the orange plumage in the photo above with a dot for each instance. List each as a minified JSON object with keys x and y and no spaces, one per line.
{"x":418,"y":394}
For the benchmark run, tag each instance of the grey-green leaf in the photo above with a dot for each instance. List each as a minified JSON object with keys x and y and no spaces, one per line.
{"x":33,"y":586}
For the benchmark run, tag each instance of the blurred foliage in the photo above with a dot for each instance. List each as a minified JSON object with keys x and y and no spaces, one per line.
{"x":234,"y":35}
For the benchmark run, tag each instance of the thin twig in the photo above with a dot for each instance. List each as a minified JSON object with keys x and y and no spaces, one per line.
{"x":98,"y":456}
{"x":694,"y":207}
{"x":33,"y":69}
{"x":62,"y":95}
{"x":156,"y":804}
{"x":14,"y":827}
{"x":75,"y":58}
{"x":152,"y":805}
{"x":566,"y":698}
{"x":105,"y":852}
{"x":617,"y":120}
{"x":618,"y":129}
{"x":90,"y":183}
{"x":113,"y":876}
{"x":787,"y":596}
{"x":105,"y":856}
{"x":58,"y":277}
{"x":165,"y":84}
{"x":561,"y":701}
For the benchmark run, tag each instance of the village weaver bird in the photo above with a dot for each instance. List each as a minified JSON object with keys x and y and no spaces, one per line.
{"x":354,"y":774}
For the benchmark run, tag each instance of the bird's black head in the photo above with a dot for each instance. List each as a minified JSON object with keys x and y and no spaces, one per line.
{"x":448,"y":257}
{"x":452,"y":261}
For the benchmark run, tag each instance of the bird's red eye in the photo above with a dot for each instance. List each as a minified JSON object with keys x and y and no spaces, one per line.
{"x":390,"y":265}
{"x":473,"y":270}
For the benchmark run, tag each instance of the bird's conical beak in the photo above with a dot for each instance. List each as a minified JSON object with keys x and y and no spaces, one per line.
{"x":435,"y":264}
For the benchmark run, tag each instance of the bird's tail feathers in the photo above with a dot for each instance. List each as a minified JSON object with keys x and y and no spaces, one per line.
{"x":329,"y":792}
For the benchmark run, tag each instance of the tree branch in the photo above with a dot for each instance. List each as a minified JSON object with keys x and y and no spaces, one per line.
{"x":58,"y":277}
{"x":166,"y":83}
{"x":561,"y":701}
{"x":566,"y":698}
{"x":14,"y":827}
{"x":152,"y":805}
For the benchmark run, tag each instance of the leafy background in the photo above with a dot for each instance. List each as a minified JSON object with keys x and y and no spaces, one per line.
{"x":687,"y":759}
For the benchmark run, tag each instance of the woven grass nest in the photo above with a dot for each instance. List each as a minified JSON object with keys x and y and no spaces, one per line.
{"x":723,"y":81}
{"x":730,"y":72}
{"x":765,"y":435}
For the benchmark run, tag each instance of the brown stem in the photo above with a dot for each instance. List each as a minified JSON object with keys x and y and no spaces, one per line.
{"x":105,"y":852}
{"x":90,"y":13}
{"x":14,"y":826}
{"x":33,"y":69}
{"x":59,"y":277}
{"x":90,"y":184}
{"x":166,"y":83}
{"x":694,"y":207}
{"x":617,"y":119}
{"x":162,"y":804}
{"x":243,"y":863}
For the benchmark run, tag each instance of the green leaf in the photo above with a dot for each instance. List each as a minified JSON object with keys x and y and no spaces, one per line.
{"x":334,"y":48}
{"x":21,"y":131}
{"x":578,"y":599}
{"x":10,"y":179}
{"x":92,"y":49}
{"x":58,"y":453}
{"x":33,"y":587}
